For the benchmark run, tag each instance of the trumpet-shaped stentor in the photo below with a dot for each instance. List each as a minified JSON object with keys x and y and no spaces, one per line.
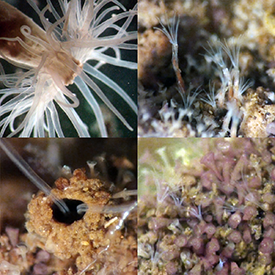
{"x":55,"y":56}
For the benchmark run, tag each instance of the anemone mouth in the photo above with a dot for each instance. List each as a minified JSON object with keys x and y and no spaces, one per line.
{"x":68,"y":217}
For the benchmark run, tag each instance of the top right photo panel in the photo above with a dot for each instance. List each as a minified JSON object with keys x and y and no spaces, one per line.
{"x":206,"y":68}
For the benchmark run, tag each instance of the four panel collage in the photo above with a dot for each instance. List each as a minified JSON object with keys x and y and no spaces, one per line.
{"x":137,"y":137}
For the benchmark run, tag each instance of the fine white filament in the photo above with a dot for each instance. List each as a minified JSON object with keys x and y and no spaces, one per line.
{"x":24,"y":167}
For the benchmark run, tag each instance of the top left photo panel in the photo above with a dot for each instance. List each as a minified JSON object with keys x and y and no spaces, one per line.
{"x":68,"y":68}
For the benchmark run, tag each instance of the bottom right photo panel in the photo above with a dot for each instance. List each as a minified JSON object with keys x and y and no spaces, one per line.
{"x":206,"y":206}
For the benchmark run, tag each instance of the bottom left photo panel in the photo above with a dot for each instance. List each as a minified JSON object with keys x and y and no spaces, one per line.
{"x":68,"y":206}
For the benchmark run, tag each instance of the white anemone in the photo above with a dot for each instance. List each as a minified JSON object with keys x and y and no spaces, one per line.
{"x":58,"y":55}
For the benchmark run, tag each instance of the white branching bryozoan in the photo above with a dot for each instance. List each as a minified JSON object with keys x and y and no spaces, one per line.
{"x":171,"y":33}
{"x":226,"y":59}
{"x":55,"y":56}
{"x":229,"y":96}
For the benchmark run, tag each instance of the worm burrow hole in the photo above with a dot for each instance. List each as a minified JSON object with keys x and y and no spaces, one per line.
{"x":68,"y":217}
